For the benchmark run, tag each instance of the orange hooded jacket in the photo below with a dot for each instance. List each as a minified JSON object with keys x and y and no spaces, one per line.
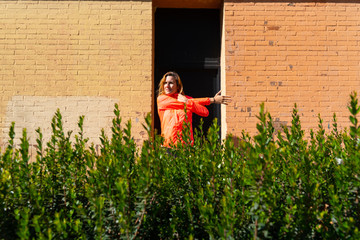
{"x":172,"y":115}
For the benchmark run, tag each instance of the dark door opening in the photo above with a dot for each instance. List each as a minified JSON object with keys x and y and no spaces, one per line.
{"x":187,"y":41}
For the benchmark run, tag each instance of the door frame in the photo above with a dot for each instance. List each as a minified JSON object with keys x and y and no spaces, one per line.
{"x":220,"y":79}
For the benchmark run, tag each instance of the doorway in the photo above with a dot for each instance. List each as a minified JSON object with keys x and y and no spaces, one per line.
{"x":187,"y":41}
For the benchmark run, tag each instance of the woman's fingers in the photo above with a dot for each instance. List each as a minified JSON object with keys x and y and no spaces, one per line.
{"x":222,"y":99}
{"x":226,"y":100}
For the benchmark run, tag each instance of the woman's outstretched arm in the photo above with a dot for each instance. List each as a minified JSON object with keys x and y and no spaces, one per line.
{"x":217,"y":99}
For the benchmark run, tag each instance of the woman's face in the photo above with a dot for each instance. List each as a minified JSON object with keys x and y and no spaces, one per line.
{"x":170,"y":85}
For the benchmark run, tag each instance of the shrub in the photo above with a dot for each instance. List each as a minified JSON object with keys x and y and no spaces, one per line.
{"x":273,"y":185}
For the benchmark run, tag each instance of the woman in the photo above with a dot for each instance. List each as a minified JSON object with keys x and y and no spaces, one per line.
{"x":171,"y":107}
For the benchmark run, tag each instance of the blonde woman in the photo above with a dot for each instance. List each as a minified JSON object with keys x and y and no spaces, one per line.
{"x":171,"y":107}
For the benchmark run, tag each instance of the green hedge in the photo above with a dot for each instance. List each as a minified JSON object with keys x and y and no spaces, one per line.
{"x":273,"y":185}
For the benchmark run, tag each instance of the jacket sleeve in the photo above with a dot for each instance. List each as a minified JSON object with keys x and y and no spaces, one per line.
{"x":202,"y":101}
{"x":196,"y":105}
{"x":166,"y":103}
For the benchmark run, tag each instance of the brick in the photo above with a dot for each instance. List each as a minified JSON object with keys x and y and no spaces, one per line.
{"x":64,"y":48}
{"x":321,"y":46}
{"x":109,"y":46}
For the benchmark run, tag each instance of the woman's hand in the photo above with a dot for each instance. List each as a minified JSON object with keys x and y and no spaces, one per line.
{"x":182,"y":98}
{"x":218,"y":99}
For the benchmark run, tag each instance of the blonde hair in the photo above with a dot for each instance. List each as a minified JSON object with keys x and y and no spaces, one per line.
{"x":178,"y":83}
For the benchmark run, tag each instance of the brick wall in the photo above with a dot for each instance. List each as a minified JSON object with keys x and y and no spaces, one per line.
{"x":282,"y":53}
{"x":85,"y":56}
{"x":79,"y":56}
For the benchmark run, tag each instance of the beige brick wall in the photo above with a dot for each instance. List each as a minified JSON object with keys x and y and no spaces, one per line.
{"x":282,"y":53}
{"x":79,"y":56}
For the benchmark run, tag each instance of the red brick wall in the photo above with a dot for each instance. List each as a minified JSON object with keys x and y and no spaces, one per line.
{"x":282,"y":53}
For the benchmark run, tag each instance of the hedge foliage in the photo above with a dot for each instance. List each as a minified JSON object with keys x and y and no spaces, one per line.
{"x":271,"y":186}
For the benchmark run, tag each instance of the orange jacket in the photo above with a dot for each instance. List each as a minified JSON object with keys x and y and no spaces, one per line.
{"x":172,"y":115}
